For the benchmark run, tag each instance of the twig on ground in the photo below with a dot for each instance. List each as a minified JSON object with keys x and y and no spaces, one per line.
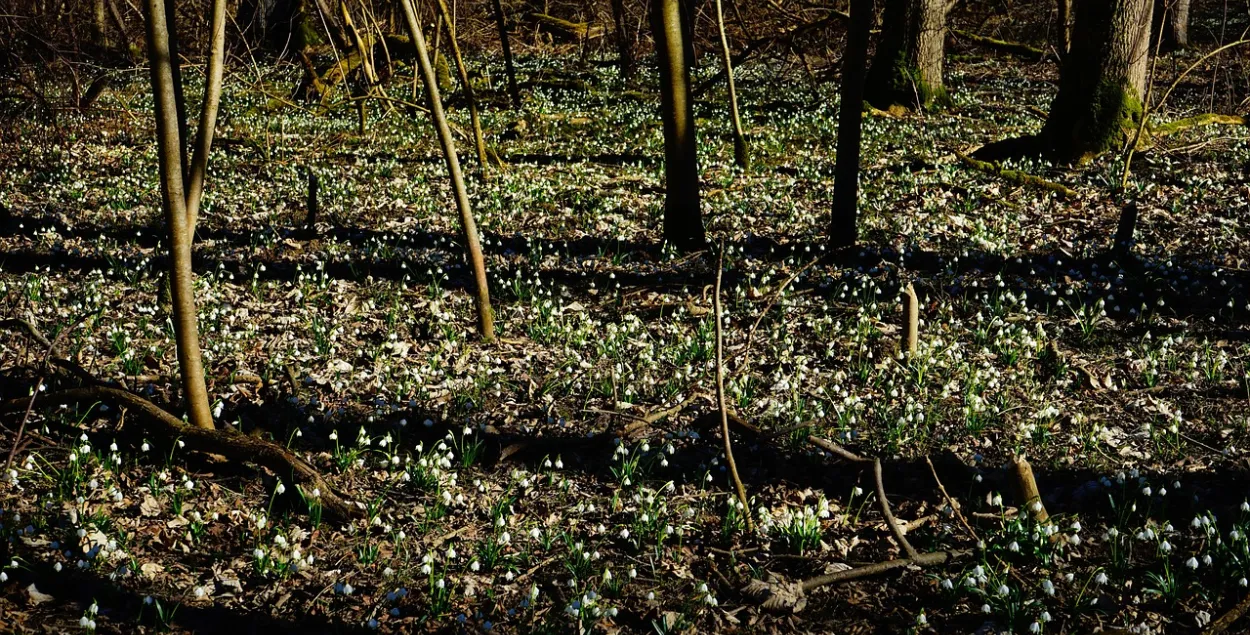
{"x":1016,"y":176}
{"x":1226,"y":620}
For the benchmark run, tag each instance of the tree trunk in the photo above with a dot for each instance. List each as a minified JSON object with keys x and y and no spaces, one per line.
{"x":501,"y":22}
{"x":683,"y":219}
{"x":1172,"y":18}
{"x":906,"y":70}
{"x":742,"y":157}
{"x":486,"y":318}
{"x":1102,"y":81}
{"x":624,"y":47}
{"x":99,"y":24}
{"x":170,"y":157}
{"x":478,"y":138}
{"x":843,"y":230}
{"x":1063,"y":24}
{"x":213,"y":75}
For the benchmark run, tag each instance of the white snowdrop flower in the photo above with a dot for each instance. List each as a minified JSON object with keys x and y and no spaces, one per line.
{"x":259,"y":553}
{"x":1165,"y":546}
{"x":1243,"y":582}
{"x":1003,"y":590}
{"x":1146,"y":491}
{"x":633,"y":573}
{"x":1101,"y":578}
{"x":83,"y":621}
{"x":1044,"y":617}
{"x":57,"y":567}
{"x":1192,"y":563}
{"x":144,"y":448}
{"x":1075,"y":539}
{"x":181,"y":443}
{"x":334,"y":435}
{"x":280,"y":489}
{"x":947,"y":584}
{"x":1206,"y":559}
{"x":1076,"y":526}
{"x":1245,"y":506}
{"x":474,"y":566}
{"x":559,"y":464}
{"x":1048,"y":587}
{"x":113,"y":447}
{"x":347,"y":589}
{"x":4,"y":577}
{"x":441,"y":583}
{"x":451,"y":553}
{"x":985,"y":608}
{"x":650,"y":596}
{"x":625,"y":533}
{"x":921,"y":619}
{"x":1035,"y":627}
{"x":998,"y":500}
{"x":1014,"y":546}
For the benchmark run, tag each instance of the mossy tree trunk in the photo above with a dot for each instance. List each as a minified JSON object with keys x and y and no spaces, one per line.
{"x":683,"y":219}
{"x":906,"y":69}
{"x":1172,"y":18}
{"x":843,"y":231}
{"x":1102,"y":80}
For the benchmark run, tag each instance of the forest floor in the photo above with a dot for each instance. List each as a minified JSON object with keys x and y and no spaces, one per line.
{"x":538,"y":485}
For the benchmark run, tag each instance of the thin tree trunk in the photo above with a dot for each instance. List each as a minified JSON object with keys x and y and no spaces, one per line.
{"x":1102,"y":81}
{"x":906,"y":69}
{"x":1064,"y":26}
{"x":463,"y":72}
{"x":742,"y":156}
{"x":170,"y":156}
{"x":486,"y":319}
{"x":624,"y":48}
{"x":213,"y":76}
{"x":99,"y":24}
{"x":501,"y":22}
{"x":175,"y":65}
{"x":683,"y":218}
{"x":844,"y":231}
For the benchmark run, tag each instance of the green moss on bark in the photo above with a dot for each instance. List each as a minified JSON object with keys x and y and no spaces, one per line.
{"x":898,"y":84}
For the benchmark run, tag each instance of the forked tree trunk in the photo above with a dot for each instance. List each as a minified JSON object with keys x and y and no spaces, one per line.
{"x":683,"y":219}
{"x":1102,"y":81}
{"x":906,"y":70}
{"x":843,"y":229}
{"x":742,"y":157}
{"x":461,"y":70}
{"x":1172,"y":18}
{"x":213,"y":75}
{"x":501,"y":23}
{"x":485,"y":315}
{"x":170,"y":155}
{"x":624,"y":48}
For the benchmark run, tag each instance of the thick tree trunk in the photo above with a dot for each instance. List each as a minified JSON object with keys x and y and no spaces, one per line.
{"x":742,"y":154}
{"x":624,"y":47}
{"x":1102,"y":81}
{"x":170,"y":155}
{"x":906,"y":70}
{"x":501,"y":23}
{"x":1172,"y":18}
{"x":843,"y":230}
{"x":486,"y":316}
{"x":683,"y":218}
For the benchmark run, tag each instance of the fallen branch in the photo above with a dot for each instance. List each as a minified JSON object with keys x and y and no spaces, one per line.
{"x":1016,"y":176}
{"x":1014,"y":48}
{"x":921,"y":560}
{"x":226,"y":443}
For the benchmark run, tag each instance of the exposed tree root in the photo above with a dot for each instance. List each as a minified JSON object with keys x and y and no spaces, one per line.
{"x":1016,"y":176}
{"x":230,"y":444}
{"x":1014,"y":48}
{"x":1226,"y":620}
{"x":1207,"y":119}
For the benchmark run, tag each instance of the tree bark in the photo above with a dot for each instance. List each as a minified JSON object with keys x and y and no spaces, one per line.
{"x":742,"y":155}
{"x":906,"y":69}
{"x":843,"y":229}
{"x":624,"y":47}
{"x":683,"y":218}
{"x":99,"y":24}
{"x":1172,"y":18}
{"x":1102,"y":80}
{"x":486,"y":318}
{"x":170,"y":153}
{"x":501,"y":23}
